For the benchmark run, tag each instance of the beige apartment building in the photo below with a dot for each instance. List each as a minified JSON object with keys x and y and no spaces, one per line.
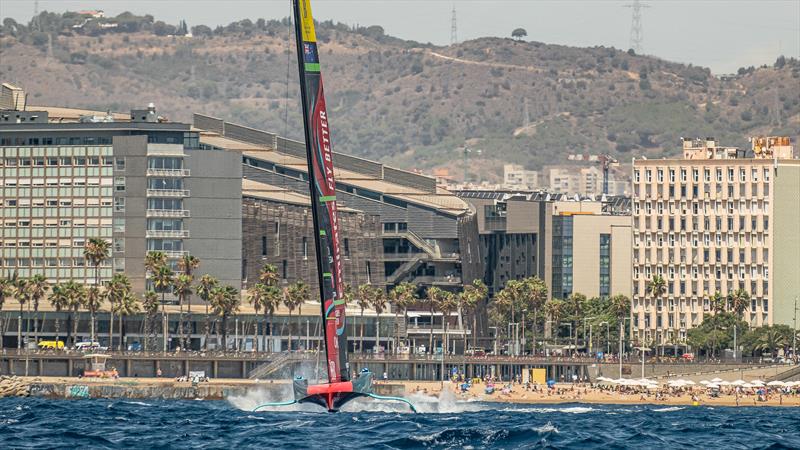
{"x":714,"y":221}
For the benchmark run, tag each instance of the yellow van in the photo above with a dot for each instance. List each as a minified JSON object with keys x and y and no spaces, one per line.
{"x":51,"y":345}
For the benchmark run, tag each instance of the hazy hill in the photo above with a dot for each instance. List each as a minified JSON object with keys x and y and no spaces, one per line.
{"x":403,"y":102}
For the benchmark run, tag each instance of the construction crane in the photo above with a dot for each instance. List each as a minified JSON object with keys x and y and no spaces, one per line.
{"x":604,"y":160}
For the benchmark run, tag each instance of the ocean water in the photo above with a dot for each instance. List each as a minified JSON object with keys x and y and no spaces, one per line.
{"x":448,"y":424}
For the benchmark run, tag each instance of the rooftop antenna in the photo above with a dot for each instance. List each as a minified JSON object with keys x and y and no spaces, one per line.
{"x":637,"y":32}
{"x":453,"y":27}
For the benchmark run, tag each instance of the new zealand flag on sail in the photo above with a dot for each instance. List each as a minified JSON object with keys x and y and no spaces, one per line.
{"x":310,"y":54}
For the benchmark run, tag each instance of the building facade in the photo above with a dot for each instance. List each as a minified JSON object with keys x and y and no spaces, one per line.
{"x":709,"y":223}
{"x":137,"y":182}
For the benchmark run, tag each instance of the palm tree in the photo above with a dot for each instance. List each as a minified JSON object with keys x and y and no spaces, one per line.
{"x":203,"y":289}
{"x":21,"y":294}
{"x":402,"y":296}
{"x":269,"y":275}
{"x":94,"y":299}
{"x":432,"y":298}
{"x":772,"y":337}
{"x":272,"y":299}
{"x":75,"y":295}
{"x":555,"y":308}
{"x":37,"y":290}
{"x":96,"y":252}
{"x":717,"y":303}
{"x":183,"y":289}
{"x":472,"y":296}
{"x":739,"y":300}
{"x":225,"y":301}
{"x":154,"y":260}
{"x":6,"y":289}
{"x":536,"y":291}
{"x":256,"y":296}
{"x":620,"y":307}
{"x":656,"y":288}
{"x":446,"y":303}
{"x":187,"y":264}
{"x":363,"y":302}
{"x":116,"y":289}
{"x":150,"y":305}
{"x":59,"y":299}
{"x":378,"y":300}
{"x":163,"y":279}
{"x":126,"y":306}
{"x":576,"y":302}
{"x":296,"y":295}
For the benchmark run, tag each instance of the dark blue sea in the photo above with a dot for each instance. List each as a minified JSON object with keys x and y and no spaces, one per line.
{"x":39,"y":423}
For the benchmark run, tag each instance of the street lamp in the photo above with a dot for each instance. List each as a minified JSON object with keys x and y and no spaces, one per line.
{"x":643,"y":350}
{"x":523,"y":330}
{"x":584,"y":331}
{"x":494,"y":351}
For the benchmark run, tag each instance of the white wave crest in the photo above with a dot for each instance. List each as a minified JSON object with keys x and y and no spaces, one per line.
{"x":547,"y":428}
{"x":669,"y":409}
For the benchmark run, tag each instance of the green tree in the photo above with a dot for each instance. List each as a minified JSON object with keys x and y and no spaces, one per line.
{"x":163,"y":282}
{"x":187,"y":264}
{"x":6,"y":291}
{"x":402,"y":297}
{"x":203,"y":289}
{"x":95,"y":296}
{"x":20,"y":292}
{"x":96,"y":252}
{"x":296,"y":294}
{"x":536,"y":295}
{"x":75,"y":293}
{"x":225,"y":301}
{"x":739,"y":301}
{"x":620,"y":308}
{"x":432,"y":298}
{"x":126,"y":306}
{"x":153,"y":260}
{"x":363,"y":301}
{"x":474,"y":294}
{"x":556,"y":309}
{"x":183,"y":289}
{"x":446,"y":303}
{"x":150,"y":306}
{"x":37,"y":290}
{"x":59,"y":300}
{"x":577,"y":305}
{"x":519,"y":33}
{"x":378,"y":301}
{"x":717,"y":302}
{"x":269,"y":275}
{"x":117,"y":289}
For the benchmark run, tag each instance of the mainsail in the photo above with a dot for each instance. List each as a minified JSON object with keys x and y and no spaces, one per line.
{"x":323,"y":194}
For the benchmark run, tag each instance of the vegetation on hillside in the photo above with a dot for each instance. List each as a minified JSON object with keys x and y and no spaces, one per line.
{"x":398,"y":101}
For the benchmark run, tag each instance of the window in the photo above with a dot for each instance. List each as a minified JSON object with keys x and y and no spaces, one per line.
{"x":605,"y":264}
{"x":119,"y":245}
{"x":635,"y":175}
{"x":285,"y":269}
{"x":119,"y":163}
{"x":730,"y":175}
{"x":766,"y":175}
{"x":119,"y":184}
{"x":305,"y":247}
{"x":263,"y":246}
{"x":119,"y":204}
{"x":346,"y":247}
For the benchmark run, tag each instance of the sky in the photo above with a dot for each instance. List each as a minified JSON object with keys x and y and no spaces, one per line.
{"x":721,"y":34}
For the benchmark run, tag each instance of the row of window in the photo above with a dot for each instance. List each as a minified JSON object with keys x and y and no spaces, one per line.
{"x":705,"y":207}
{"x":730,"y":286}
{"x":692,"y":304}
{"x":682,"y":240}
{"x":719,"y":270}
{"x":54,"y":182}
{"x":49,"y":262}
{"x":48,"y":141}
{"x":62,"y":161}
{"x":669,"y":191}
{"x":707,"y":175}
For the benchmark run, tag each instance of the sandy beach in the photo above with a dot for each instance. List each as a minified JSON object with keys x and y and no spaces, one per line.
{"x":563,"y":392}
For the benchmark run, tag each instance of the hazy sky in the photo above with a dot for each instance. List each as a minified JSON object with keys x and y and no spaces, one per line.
{"x":721,"y":34}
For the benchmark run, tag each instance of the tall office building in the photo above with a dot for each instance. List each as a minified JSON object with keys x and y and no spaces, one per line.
{"x":714,"y":221}
{"x":138,"y":182}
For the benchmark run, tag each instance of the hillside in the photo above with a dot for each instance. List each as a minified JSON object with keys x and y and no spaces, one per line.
{"x":410,"y":104}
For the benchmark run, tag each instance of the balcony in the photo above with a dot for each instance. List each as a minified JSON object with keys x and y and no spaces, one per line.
{"x":442,"y":281}
{"x":167,"y":192}
{"x":168,"y":172}
{"x":167,"y":233}
{"x":173,"y":253}
{"x":167,"y":213}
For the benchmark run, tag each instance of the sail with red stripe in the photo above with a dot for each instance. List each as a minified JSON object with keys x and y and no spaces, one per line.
{"x":322,"y":187}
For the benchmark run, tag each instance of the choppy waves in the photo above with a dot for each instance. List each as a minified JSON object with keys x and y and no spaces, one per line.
{"x":445,"y":423}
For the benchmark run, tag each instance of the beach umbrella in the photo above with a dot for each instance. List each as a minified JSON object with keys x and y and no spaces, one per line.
{"x":705,"y":382}
{"x":776,"y":383}
{"x":738,"y":382}
{"x":689,"y":382}
{"x":712,"y":386}
{"x":724,"y":383}
{"x":716,"y":380}
{"x":757,"y":382}
{"x":748,"y":385}
{"x":652,"y":386}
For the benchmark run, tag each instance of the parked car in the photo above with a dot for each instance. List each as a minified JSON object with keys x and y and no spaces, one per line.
{"x":89,"y":346}
{"x":477,"y":351}
{"x":51,"y":345}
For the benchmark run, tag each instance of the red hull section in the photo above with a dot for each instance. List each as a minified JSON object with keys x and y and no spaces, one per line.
{"x":332,"y":392}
